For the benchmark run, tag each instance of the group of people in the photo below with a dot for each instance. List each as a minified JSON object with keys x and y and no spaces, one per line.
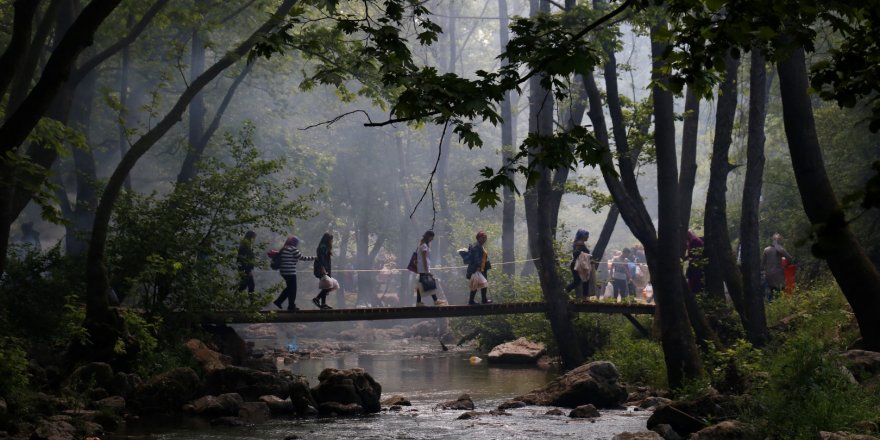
{"x":477,"y":270}
{"x":774,"y":260}
{"x":289,"y":256}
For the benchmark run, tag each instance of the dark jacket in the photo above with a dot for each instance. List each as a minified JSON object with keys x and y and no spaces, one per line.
{"x":245,"y":258}
{"x":476,"y":253}
{"x":322,"y":260}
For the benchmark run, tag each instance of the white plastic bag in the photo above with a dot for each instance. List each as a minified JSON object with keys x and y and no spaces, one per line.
{"x":609,"y":291}
{"x":328,"y":282}
{"x":478,"y":281}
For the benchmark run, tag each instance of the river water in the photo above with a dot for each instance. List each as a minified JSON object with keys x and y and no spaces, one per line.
{"x":425,"y":375}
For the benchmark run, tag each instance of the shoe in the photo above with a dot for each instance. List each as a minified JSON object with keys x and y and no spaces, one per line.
{"x":277,"y":304}
{"x":472,"y":303}
{"x":420,"y":304}
{"x":317,"y":303}
{"x":293,"y":309}
{"x":488,"y":301}
{"x":325,"y":307}
{"x":440,"y":302}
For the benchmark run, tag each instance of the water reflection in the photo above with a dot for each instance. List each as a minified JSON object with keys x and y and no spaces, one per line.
{"x":420,"y":374}
{"x":426,"y":376}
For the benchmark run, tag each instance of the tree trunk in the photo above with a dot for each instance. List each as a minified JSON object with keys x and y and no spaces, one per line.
{"x":98,"y":316}
{"x":722,"y":268}
{"x":86,"y":174}
{"x":195,"y":154}
{"x":508,"y":126}
{"x":22,"y":121}
{"x":756,"y":322}
{"x":196,"y":110}
{"x":680,"y":352}
{"x":688,"y":176}
{"x":26,"y":70}
{"x":124,"y":108}
{"x":540,"y":218}
{"x":13,"y":195}
{"x":16,"y":50}
{"x":854,"y":272}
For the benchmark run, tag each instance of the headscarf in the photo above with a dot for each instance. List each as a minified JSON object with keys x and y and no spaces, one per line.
{"x":581,"y":235}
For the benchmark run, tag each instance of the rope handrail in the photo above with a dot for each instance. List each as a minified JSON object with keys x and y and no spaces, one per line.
{"x":432,"y":269}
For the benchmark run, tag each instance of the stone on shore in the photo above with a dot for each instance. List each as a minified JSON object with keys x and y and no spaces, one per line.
{"x":649,"y":435}
{"x":463,"y":402}
{"x":346,"y":387}
{"x":250,"y":384}
{"x":208,"y":359}
{"x":218,"y":406}
{"x":726,"y":430}
{"x":520,"y":351}
{"x":396,"y":400}
{"x":594,"y":383}
{"x":278,"y":406}
{"x":587,"y":411}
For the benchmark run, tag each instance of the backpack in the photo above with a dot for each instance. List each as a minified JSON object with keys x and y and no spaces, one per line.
{"x":274,"y":259}
{"x":466,"y":254}
{"x":583,"y":264}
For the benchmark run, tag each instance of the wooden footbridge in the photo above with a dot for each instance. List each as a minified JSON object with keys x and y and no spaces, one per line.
{"x":379,"y":313}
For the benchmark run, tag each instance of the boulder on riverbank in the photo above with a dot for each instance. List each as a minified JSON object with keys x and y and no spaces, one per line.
{"x":396,"y":400}
{"x":250,"y":384}
{"x":208,"y":359}
{"x":217,"y":406}
{"x":463,"y":402}
{"x":593,"y":383}
{"x":726,"y":430}
{"x":864,"y":366}
{"x":587,"y":411}
{"x":345,"y":387}
{"x":689,"y":416}
{"x":520,"y":351}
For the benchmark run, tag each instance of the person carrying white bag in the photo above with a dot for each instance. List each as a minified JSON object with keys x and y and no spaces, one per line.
{"x":326,"y":282}
{"x":478,"y":267}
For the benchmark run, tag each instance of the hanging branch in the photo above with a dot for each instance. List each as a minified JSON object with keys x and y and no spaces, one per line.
{"x":430,"y":185}
{"x":336,"y":119}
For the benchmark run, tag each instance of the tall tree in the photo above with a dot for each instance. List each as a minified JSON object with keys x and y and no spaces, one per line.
{"x":508,"y":130}
{"x":722,"y":269}
{"x":21,"y":121}
{"x":542,"y":211}
{"x":756,"y":321}
{"x":679,"y":348}
{"x":855,"y":274}
{"x":103,"y":325}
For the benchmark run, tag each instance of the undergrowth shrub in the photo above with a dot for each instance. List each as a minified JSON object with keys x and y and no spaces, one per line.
{"x":639,"y":360}
{"x":807,"y":388}
{"x":808,"y":391}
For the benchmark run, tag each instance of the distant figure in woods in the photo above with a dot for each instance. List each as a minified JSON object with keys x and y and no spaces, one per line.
{"x":426,"y":283}
{"x":771,"y":265}
{"x":322,"y":268}
{"x":579,"y":246}
{"x":479,"y":264}
{"x":30,"y":237}
{"x":290,"y":255}
{"x":696,"y":263}
{"x":620,"y":273}
{"x":246,"y":260}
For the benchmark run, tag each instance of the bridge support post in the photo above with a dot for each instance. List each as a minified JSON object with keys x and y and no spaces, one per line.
{"x":637,"y":325}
